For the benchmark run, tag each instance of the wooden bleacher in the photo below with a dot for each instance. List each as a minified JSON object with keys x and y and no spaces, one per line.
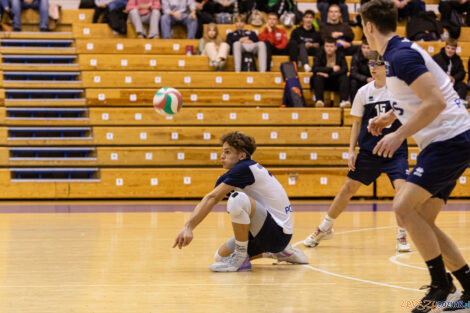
{"x":107,"y":141}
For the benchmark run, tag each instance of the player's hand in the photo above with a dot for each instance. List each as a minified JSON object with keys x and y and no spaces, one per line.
{"x":387,"y":146}
{"x":184,"y":238}
{"x":352,"y":160}
{"x":377,"y":124}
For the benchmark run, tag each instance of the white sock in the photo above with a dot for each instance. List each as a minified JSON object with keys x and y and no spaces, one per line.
{"x":241,"y":247}
{"x":327,"y":223}
{"x":401,"y":232}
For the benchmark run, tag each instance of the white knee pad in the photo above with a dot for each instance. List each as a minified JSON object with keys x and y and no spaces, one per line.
{"x":239,"y":208}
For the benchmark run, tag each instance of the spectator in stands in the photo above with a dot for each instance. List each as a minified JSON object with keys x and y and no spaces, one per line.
{"x":145,"y":12}
{"x":324,"y":5}
{"x":5,"y":8}
{"x":242,"y":40}
{"x":247,"y":6}
{"x":330,"y":72}
{"x":408,"y":8}
{"x":452,"y":64}
{"x":214,"y":47}
{"x":275,"y":39}
{"x":450,"y":10}
{"x":225,"y":6}
{"x":179,"y":12}
{"x":334,"y":28}
{"x":100,"y":15}
{"x":359,"y":75}
{"x":305,"y":40}
{"x":42,"y":5}
{"x":205,"y":10}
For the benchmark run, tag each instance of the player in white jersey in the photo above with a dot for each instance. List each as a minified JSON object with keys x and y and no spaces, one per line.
{"x":371,"y":100}
{"x":431,"y":112}
{"x":258,"y":205}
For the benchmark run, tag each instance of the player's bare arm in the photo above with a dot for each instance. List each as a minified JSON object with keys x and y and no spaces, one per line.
{"x":378,"y":123}
{"x":206,"y":205}
{"x":356,"y":129}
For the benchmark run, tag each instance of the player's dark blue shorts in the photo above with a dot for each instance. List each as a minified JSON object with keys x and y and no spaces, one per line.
{"x":270,"y":238}
{"x":369,"y":167}
{"x":440,"y":164}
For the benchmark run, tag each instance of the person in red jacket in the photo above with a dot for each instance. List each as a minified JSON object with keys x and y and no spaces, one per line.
{"x":275,"y":39}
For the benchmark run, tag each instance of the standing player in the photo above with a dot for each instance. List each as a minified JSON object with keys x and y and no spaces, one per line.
{"x":259,"y":208}
{"x":430,"y":111}
{"x":371,"y":100}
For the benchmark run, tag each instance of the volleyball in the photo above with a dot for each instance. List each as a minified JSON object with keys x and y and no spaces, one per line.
{"x":167,"y":101}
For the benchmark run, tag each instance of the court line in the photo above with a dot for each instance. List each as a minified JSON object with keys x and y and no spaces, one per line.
{"x":394,"y":260}
{"x":354,"y":278}
{"x":277,"y":284}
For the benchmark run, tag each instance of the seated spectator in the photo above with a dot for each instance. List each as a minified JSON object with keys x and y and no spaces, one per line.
{"x":330,"y":72}
{"x":225,"y":6}
{"x":359,"y":75}
{"x":452,"y":64}
{"x":205,"y":10}
{"x":450,"y":10}
{"x":275,"y":39}
{"x":247,"y":6}
{"x":100,"y":15}
{"x":338,"y":30}
{"x":179,"y":12}
{"x":42,"y":5}
{"x":324,"y":5}
{"x":241,"y":41}
{"x":5,"y":8}
{"x":304,"y":41}
{"x":408,"y":8}
{"x":145,"y":12}
{"x":214,"y":47}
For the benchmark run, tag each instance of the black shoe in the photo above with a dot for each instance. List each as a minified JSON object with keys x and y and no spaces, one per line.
{"x":44,"y":29}
{"x":461,"y":305}
{"x":434,"y":296}
{"x":16,"y":29}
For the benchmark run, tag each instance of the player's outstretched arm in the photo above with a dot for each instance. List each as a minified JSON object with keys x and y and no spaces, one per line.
{"x":356,"y":129}
{"x":433,"y":102}
{"x":378,"y":123}
{"x":206,"y":205}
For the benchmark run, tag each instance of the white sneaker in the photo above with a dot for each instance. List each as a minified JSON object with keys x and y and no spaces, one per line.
{"x":319,"y":104}
{"x":314,"y":239}
{"x":307,"y":68}
{"x":402,"y":244}
{"x":345,"y":104}
{"x":289,"y":254}
{"x":235,"y":262}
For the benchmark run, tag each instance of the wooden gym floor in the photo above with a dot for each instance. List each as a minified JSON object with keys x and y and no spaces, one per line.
{"x":117,"y":257}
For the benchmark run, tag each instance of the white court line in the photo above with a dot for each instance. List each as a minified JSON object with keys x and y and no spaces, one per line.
{"x":394,"y":258}
{"x":354,"y":278}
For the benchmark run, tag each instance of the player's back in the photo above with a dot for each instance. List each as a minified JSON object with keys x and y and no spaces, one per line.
{"x":405,"y":62}
{"x":253,"y":179}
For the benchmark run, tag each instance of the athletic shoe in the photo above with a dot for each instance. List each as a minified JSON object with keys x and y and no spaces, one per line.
{"x":462,"y":305}
{"x":319,"y":104}
{"x":345,"y":104}
{"x":435,"y":295}
{"x":289,"y":254}
{"x":307,"y":68}
{"x":314,"y":239}
{"x":235,"y":262}
{"x":402,"y":244}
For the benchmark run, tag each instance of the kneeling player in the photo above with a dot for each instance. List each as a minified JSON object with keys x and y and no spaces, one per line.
{"x":259,"y":208}
{"x":371,"y":100}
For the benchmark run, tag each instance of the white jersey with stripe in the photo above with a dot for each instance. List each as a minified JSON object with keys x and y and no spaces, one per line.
{"x":253,"y":179}
{"x":405,"y":61}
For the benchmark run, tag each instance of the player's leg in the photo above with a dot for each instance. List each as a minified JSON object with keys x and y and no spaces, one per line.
{"x":406,"y":204}
{"x":402,"y":244}
{"x":325,"y":230}
{"x":453,"y":259}
{"x":241,"y":208}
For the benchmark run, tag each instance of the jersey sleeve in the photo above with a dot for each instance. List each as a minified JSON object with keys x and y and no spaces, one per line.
{"x":239,"y":176}
{"x":408,"y":65}
{"x":358,"y":103}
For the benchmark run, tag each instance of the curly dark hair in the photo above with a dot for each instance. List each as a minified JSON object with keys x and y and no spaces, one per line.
{"x":240,"y":142}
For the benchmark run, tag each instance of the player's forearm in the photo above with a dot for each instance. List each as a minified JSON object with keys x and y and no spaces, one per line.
{"x":356,"y":129}
{"x":200,"y":212}
{"x":427,"y":112}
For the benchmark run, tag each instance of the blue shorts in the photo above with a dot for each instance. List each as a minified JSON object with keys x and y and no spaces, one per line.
{"x":440,"y":164}
{"x":369,"y":167}
{"x":270,"y":238}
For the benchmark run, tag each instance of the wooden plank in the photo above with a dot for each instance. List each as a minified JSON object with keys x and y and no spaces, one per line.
{"x":44,"y":102}
{"x":135,"y":46}
{"x":132,"y":79}
{"x":36,"y":35}
{"x":170,"y":183}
